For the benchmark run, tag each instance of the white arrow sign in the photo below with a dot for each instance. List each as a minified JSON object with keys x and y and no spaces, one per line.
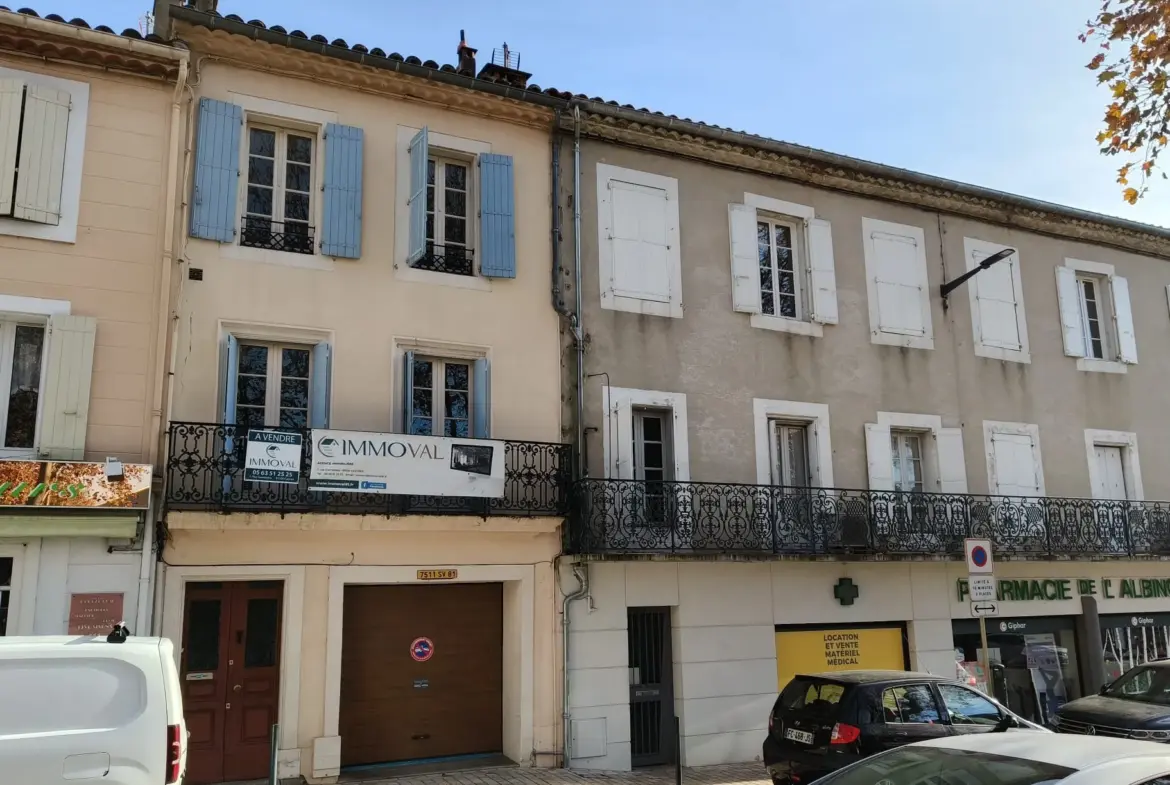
{"x":979,"y":608}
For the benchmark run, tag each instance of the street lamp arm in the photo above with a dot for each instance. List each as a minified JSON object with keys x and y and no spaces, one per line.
{"x":998,"y":256}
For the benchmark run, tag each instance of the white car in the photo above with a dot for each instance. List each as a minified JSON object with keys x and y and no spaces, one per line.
{"x":1013,"y":759}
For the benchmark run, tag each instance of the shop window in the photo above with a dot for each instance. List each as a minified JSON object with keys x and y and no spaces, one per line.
{"x":913,"y":703}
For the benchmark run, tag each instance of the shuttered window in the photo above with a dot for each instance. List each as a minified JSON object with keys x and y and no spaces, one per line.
{"x":22,"y":355}
{"x":1014,"y":468}
{"x":34,"y":124}
{"x":897,"y":285}
{"x":1095,"y":313}
{"x":998,"y":321}
{"x":276,"y":385}
{"x":446,"y":397}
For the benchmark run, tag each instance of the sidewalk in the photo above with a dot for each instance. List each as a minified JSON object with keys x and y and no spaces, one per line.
{"x":728,"y":774}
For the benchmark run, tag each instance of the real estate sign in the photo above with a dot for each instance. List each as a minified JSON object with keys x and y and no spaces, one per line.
{"x":397,"y":463}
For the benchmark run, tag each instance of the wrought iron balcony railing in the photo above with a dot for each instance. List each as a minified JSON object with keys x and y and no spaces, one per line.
{"x":634,"y":517}
{"x":291,"y":236}
{"x":205,"y":472}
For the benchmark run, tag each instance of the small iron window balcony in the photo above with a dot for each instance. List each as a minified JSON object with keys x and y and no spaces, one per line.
{"x":452,"y":259}
{"x":291,"y":237}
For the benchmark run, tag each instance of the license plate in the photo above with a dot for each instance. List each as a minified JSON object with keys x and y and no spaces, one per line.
{"x":804,"y":737}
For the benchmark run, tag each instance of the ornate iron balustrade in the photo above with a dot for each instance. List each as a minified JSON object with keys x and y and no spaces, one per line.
{"x":291,"y":236}
{"x":629,"y":516}
{"x":453,"y":259}
{"x":204,"y":471}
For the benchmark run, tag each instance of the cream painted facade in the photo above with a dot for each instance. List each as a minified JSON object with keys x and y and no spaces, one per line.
{"x":373,"y":310}
{"x":85,"y":256}
{"x":724,"y":619}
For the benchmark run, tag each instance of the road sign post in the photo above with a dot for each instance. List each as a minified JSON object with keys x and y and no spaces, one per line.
{"x":981,"y":588}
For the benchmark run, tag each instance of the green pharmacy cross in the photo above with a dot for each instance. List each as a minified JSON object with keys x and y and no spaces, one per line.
{"x":846,"y":591}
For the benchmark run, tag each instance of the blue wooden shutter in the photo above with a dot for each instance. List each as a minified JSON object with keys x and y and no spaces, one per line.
{"x":320,"y":389}
{"x":419,"y":152}
{"x":407,"y":391}
{"x":217,"y":171}
{"x":231,"y":362}
{"x":481,"y":399}
{"x":497,"y":228}
{"x":341,"y":229}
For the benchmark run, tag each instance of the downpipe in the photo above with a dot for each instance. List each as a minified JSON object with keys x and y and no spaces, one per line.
{"x":581,"y":573}
{"x":579,"y":330}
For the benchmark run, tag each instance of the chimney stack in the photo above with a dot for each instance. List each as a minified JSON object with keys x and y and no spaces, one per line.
{"x":466,"y":56}
{"x":505,"y":68}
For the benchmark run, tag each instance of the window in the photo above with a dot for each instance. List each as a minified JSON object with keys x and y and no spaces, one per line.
{"x":1096,"y":316}
{"x":897,"y":285}
{"x":912,"y":703}
{"x":460,"y":206}
{"x":6,"y":565}
{"x":638,"y":236}
{"x":997,"y":304}
{"x":645,"y":435}
{"x":781,"y":270}
{"x":34,"y":124}
{"x":440,"y":398}
{"x":448,"y":223}
{"x":906,"y":452}
{"x":653,"y":461}
{"x":967,"y":707}
{"x":1013,"y":465}
{"x":273,"y":383}
{"x":278,"y":205}
{"x":790,"y":454}
{"x":782,"y":266}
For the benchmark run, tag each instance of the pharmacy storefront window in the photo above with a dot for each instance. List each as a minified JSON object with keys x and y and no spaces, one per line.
{"x":1034,"y":668}
{"x":1133,"y":639}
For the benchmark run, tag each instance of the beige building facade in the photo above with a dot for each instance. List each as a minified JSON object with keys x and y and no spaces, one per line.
{"x":366,"y":265}
{"x":90,"y":136}
{"x":774,"y":373}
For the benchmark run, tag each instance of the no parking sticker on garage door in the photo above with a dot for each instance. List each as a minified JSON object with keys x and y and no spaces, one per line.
{"x":422,"y":649}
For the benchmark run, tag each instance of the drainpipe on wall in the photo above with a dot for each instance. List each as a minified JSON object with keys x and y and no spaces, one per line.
{"x":158,"y":416}
{"x":579,"y":333}
{"x":581,"y":573}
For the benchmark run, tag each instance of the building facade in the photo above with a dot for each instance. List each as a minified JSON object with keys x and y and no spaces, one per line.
{"x":90,"y":133}
{"x":774,"y":375}
{"x":366,"y":271}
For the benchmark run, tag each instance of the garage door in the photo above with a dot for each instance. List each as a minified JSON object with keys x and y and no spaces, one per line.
{"x":828,"y":649}
{"x":421,"y":672}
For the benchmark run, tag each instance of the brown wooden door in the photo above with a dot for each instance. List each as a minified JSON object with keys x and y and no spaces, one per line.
{"x":395,"y":707}
{"x":231,"y":678}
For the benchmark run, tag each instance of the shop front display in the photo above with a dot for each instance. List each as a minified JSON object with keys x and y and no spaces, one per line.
{"x":1033,"y":661}
{"x":1133,"y":639}
{"x":843,"y":647}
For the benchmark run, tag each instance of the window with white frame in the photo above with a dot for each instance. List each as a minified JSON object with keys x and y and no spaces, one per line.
{"x":42,"y":141}
{"x":638,"y":236}
{"x":22,"y":353}
{"x":449,"y":230}
{"x":1096,"y":316}
{"x":1013,"y":459}
{"x":1114,"y":468}
{"x":782,"y":267}
{"x":897,"y":284}
{"x":278,"y":206}
{"x":440,"y":397}
{"x":653,"y":460}
{"x":791,"y":467}
{"x":906,"y":454}
{"x":273,"y":383}
{"x":996,"y":295}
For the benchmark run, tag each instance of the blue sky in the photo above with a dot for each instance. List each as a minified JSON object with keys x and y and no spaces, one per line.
{"x":991,"y":92}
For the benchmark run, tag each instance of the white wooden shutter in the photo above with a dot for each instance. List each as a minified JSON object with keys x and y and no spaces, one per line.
{"x":745,"y":258}
{"x":640,"y":234}
{"x":1070,"y":312}
{"x":952,"y":466}
{"x":822,"y":272}
{"x":42,"y":155}
{"x":880,"y":457}
{"x":68,"y":371}
{"x":996,"y":315}
{"x":622,"y":454}
{"x":1015,"y":465}
{"x":1123,"y":318}
{"x":900,"y":283}
{"x":11,"y":97}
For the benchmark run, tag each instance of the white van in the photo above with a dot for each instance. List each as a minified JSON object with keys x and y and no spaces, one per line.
{"x":76,"y":709}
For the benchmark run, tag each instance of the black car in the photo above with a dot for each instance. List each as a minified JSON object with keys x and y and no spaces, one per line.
{"x":1135,"y":706}
{"x":823,"y":722}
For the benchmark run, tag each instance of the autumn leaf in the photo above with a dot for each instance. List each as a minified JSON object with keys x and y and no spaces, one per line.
{"x":1130,"y":195}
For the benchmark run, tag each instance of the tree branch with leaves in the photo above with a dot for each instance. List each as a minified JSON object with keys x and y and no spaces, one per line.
{"x":1134,"y":41}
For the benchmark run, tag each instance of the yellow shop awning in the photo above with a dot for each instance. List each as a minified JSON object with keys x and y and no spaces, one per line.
{"x":115,"y":526}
